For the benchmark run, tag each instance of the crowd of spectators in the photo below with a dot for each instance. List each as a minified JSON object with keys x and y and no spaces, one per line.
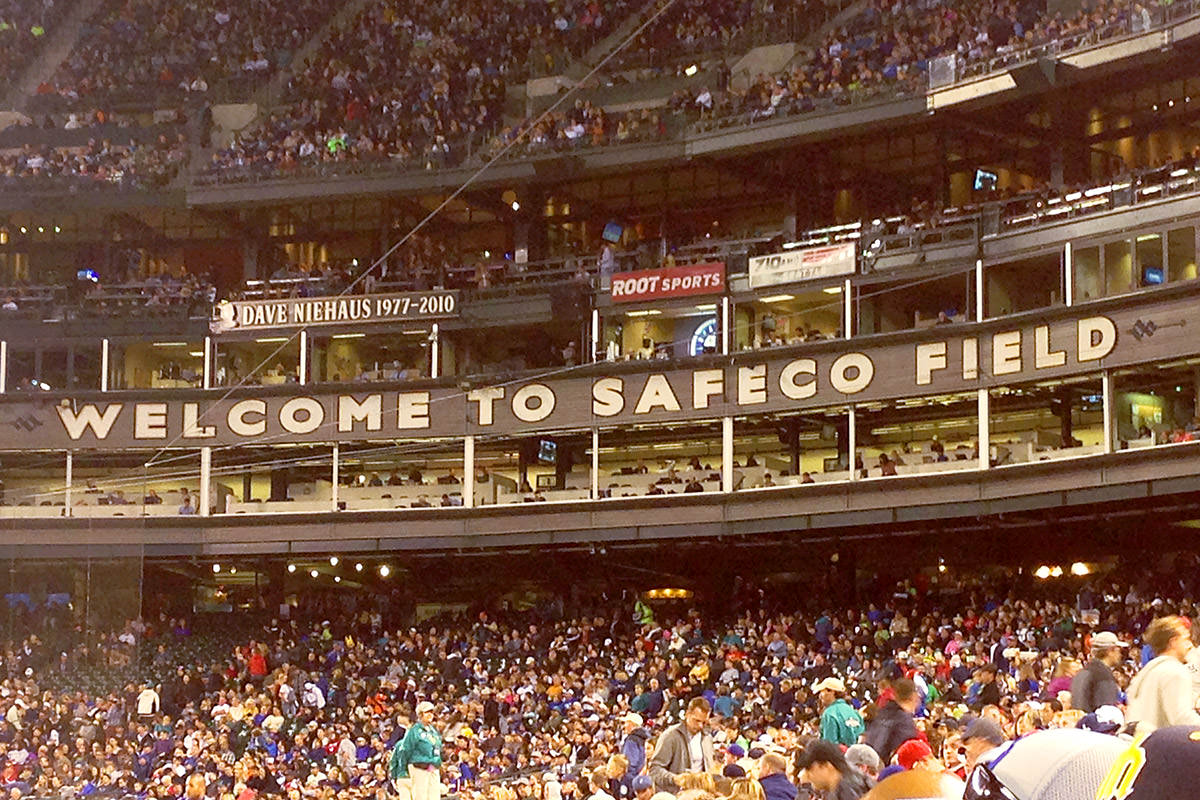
{"x":147,"y":51}
{"x":405,"y":91}
{"x":547,"y":691}
{"x":99,"y":163}
{"x":692,"y":29}
{"x":888,"y":48}
{"x":23,"y":28}
{"x":416,"y":86}
{"x":122,"y":295}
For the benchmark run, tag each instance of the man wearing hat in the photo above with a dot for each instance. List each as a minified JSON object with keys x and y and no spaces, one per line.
{"x":980,"y":736}
{"x":840,"y":723}
{"x":416,"y":763}
{"x":864,"y":759}
{"x":1094,"y":685}
{"x":634,"y":745}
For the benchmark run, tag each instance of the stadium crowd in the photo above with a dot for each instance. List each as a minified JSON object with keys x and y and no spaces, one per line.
{"x":23,"y":28}
{"x":888,"y":48}
{"x":576,"y":695}
{"x":403,"y":91}
{"x":416,"y":85}
{"x":149,"y":51}
{"x":100,"y":163}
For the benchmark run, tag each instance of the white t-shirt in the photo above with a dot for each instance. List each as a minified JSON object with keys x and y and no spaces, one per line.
{"x":696,"y":753}
{"x":1192,"y":662}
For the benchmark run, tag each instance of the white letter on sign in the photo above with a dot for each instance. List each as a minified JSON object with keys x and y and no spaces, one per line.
{"x":839,"y":373}
{"x":533,"y":403}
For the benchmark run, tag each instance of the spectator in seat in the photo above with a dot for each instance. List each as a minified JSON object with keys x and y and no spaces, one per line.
{"x":772,"y":774}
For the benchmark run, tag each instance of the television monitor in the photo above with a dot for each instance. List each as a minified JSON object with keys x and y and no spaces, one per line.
{"x":547,"y":451}
{"x":1152,"y":276}
{"x":985,"y":181}
{"x":612,"y":232}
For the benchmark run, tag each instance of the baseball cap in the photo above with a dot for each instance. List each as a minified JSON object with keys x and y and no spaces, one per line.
{"x":1105,"y":719}
{"x":733,"y":771}
{"x":642,"y":782}
{"x":863,"y":755}
{"x":819,"y":751}
{"x":1163,"y":766}
{"x":831,"y":682}
{"x":1055,"y":764}
{"x":424,"y":706}
{"x":1107,"y":639}
{"x":983,"y":728}
{"x":633,"y":717}
{"x":736,"y":750}
{"x":911,"y":752}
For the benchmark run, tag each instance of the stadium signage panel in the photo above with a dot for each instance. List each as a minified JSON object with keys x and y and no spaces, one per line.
{"x":294,"y":312}
{"x":662,"y":284}
{"x":797,"y":266}
{"x":1053,"y":344}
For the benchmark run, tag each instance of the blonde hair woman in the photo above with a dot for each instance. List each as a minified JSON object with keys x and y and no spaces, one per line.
{"x":746,"y":789}
{"x":704,"y":781}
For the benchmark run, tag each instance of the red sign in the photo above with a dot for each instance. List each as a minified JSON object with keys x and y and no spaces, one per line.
{"x":656,"y":284}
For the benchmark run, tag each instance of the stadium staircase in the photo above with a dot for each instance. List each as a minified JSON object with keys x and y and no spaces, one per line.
{"x":806,"y":46}
{"x":272,"y":93}
{"x":580,"y":67}
{"x":59,"y":41}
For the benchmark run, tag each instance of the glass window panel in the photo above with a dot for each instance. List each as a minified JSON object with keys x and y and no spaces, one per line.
{"x":1118,"y":269}
{"x":1181,"y":254}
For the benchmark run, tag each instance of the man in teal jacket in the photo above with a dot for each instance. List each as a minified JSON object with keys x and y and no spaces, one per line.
{"x":416,"y":763}
{"x":840,"y":723}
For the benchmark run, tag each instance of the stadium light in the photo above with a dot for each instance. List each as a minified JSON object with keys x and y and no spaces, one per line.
{"x":291,"y":567}
{"x":1042,"y":572}
{"x":1079,"y":568}
{"x":333,"y":561}
{"x":384,"y":571}
{"x":216,"y":568}
{"x":313,"y":573}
